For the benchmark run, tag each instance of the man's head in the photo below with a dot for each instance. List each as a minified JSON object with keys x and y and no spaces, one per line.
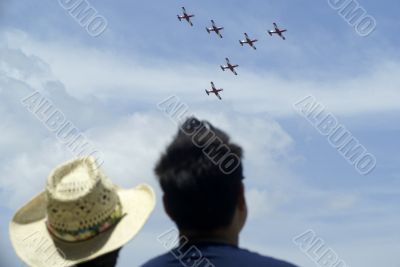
{"x":201,"y":176}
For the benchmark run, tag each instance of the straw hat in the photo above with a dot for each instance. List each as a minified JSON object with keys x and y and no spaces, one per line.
{"x":80,"y":216}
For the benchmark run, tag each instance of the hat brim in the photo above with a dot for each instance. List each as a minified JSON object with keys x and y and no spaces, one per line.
{"x":36,"y":247}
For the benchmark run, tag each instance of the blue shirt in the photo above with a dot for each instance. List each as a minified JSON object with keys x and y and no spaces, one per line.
{"x":213,"y":255}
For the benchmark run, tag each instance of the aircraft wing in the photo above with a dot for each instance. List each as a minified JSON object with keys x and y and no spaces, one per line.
{"x":212,"y":85}
{"x":217,"y":94}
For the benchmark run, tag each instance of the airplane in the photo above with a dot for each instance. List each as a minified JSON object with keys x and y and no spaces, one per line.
{"x":248,"y":41}
{"x":229,"y":66}
{"x":186,"y":16}
{"x":215,"y":29}
{"x":214,"y":91}
{"x":278,"y":31}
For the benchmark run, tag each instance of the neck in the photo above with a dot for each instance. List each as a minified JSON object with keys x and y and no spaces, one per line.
{"x":225,"y":236}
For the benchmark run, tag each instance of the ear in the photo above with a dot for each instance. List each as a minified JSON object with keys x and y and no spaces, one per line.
{"x":242,"y":199}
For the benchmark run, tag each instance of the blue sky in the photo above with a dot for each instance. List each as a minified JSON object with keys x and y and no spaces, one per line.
{"x":109,"y":86}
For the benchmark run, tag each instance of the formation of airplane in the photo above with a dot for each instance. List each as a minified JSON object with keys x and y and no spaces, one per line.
{"x":277,"y":31}
{"x":248,"y":41}
{"x":215,"y":29}
{"x":214,"y":91}
{"x":186,"y":16}
{"x":229,"y":66}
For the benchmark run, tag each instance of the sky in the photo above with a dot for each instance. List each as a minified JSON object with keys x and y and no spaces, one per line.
{"x":109,"y":87}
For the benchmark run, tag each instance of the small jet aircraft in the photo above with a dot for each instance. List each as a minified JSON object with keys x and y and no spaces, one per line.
{"x":278,"y":31}
{"x":229,"y":66}
{"x":186,"y":16}
{"x":248,"y":41}
{"x":214,"y":91}
{"x":215,"y":29}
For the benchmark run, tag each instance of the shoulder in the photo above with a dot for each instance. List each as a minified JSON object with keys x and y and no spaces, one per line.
{"x":158,"y":261}
{"x":261,"y":260}
{"x":218,"y":255}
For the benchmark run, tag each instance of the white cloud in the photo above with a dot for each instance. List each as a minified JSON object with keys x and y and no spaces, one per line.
{"x":108,"y":74}
{"x":263,"y":203}
{"x":343,"y":202}
{"x":130,"y":141}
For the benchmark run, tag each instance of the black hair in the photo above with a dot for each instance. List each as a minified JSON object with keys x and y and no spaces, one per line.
{"x":201,"y":177}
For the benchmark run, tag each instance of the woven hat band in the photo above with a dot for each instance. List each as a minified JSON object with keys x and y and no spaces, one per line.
{"x":89,"y":232}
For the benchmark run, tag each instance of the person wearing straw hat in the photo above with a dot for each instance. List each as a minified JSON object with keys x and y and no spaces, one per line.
{"x":81,"y":219}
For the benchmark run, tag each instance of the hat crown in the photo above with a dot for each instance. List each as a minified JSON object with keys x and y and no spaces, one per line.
{"x":71,"y":182}
{"x":79,"y":197}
